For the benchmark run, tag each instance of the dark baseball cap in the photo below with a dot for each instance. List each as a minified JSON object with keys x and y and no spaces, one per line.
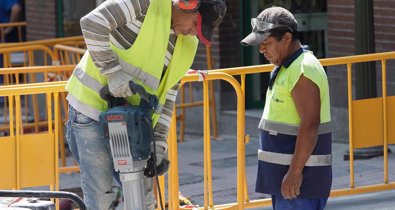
{"x":211,"y":13}
{"x":268,"y":20}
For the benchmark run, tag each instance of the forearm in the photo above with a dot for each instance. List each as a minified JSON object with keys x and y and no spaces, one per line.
{"x":15,"y":15}
{"x":96,"y":28}
{"x":306,"y":96}
{"x":161,"y":129}
{"x":305,"y":144}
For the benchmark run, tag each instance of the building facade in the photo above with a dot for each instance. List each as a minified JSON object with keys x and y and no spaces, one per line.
{"x":326,"y":27}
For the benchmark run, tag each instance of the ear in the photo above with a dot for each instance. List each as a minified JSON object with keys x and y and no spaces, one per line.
{"x":288,"y":38}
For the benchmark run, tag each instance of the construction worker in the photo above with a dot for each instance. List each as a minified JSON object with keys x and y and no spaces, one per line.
{"x":295,"y":134}
{"x":152,"y":43}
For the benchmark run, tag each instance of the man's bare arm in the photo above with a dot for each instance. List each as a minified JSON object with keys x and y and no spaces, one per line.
{"x":15,"y":17}
{"x":306,"y":96}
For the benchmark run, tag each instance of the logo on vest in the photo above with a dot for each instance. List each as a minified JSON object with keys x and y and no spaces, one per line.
{"x":278,"y":100}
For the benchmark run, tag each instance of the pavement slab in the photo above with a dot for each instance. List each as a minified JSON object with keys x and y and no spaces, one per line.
{"x":224,"y":158}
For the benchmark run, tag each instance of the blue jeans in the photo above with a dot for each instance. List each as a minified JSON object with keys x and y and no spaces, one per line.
{"x":280,"y":203}
{"x":93,"y":155}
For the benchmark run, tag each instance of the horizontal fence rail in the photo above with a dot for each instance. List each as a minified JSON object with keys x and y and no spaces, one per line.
{"x":71,"y":41}
{"x":382,"y":104}
{"x":19,"y":26}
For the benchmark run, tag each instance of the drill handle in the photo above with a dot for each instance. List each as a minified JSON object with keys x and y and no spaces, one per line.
{"x":148,"y":100}
{"x":151,"y":101}
{"x":111,"y":100}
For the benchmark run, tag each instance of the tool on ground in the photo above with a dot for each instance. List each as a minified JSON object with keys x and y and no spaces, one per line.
{"x":130,"y":132}
{"x":36,"y":204}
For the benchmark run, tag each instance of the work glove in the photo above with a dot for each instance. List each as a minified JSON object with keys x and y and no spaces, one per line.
{"x":162,"y":162}
{"x":118,"y":84}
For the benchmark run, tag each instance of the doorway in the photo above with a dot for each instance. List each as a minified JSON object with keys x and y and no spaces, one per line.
{"x":312,"y":28}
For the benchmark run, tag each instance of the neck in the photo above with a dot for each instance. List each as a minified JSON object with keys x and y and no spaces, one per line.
{"x":294,"y":46}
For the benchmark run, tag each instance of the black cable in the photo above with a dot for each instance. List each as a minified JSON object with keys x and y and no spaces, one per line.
{"x":157,"y":180}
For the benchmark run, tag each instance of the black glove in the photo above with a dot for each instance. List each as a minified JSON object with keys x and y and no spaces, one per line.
{"x":162,"y":163}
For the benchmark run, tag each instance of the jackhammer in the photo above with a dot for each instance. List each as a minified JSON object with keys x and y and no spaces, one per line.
{"x":129,"y":130}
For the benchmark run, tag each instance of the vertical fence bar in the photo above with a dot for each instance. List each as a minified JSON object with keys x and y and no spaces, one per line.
{"x":57,"y":120}
{"x":11,"y":109}
{"x":18,"y":139}
{"x":173,"y":152}
{"x":206,"y":134}
{"x":385,"y":120}
{"x":213,"y":106}
{"x":2,"y":34}
{"x":246,"y":195}
{"x":183,"y":111}
{"x":207,"y":137}
{"x":50,"y":130}
{"x":49,"y":111}
{"x":351,"y":140}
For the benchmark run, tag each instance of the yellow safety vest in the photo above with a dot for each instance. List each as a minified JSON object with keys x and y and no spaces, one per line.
{"x":279,"y":128}
{"x":148,"y":54}
{"x":279,"y":106}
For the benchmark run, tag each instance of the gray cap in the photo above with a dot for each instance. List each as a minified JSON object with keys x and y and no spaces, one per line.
{"x":268,"y":19}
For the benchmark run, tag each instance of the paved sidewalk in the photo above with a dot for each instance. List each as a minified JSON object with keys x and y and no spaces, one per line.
{"x":224,"y":174}
{"x":224,"y":169}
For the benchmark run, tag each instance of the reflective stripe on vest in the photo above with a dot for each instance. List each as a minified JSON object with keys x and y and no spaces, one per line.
{"x":146,"y":78}
{"x":285,"y":159}
{"x":281,"y":117}
{"x":96,"y":86}
{"x":289,"y":129}
{"x":148,"y":54}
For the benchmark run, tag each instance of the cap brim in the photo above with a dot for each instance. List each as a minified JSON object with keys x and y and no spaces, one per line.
{"x":254,"y":39}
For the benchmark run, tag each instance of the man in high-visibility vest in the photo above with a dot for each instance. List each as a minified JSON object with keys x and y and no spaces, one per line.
{"x":295,"y":133}
{"x":152,"y":43}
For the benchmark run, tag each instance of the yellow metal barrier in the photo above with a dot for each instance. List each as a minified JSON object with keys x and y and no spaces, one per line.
{"x":17,"y":25}
{"x":183,"y":105}
{"x":30,"y":160}
{"x":66,"y":55}
{"x":75,"y":41}
{"x":26,"y":56}
{"x":386,"y":119}
{"x":30,"y":104}
{"x":380,"y":118}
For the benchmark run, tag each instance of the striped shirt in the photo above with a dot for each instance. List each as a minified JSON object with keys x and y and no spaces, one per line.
{"x":119,"y":22}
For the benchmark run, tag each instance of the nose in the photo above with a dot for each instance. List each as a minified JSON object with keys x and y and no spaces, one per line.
{"x":262,"y":48}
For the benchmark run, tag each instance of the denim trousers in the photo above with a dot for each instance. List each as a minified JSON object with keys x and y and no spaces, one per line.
{"x":93,"y":154}
{"x":280,"y":203}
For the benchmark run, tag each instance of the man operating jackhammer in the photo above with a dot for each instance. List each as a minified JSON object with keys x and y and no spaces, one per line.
{"x":150,"y":43}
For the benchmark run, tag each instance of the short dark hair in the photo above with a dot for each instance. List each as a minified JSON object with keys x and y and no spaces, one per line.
{"x":278,"y":33}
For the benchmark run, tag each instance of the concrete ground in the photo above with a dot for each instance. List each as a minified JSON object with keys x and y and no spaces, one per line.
{"x":190,"y":162}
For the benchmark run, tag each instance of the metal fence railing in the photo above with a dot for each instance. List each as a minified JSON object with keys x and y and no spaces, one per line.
{"x":21,"y":160}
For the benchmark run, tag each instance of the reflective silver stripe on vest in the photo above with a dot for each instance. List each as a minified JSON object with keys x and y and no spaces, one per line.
{"x":285,"y":159}
{"x":283,"y":128}
{"x":87,"y":80}
{"x":83,"y":108}
{"x":142,"y":76}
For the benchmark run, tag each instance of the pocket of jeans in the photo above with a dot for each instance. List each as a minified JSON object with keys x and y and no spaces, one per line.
{"x":82,"y":120}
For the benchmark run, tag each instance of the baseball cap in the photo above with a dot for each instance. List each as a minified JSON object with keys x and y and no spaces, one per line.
{"x":211,"y":13}
{"x":268,"y":20}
